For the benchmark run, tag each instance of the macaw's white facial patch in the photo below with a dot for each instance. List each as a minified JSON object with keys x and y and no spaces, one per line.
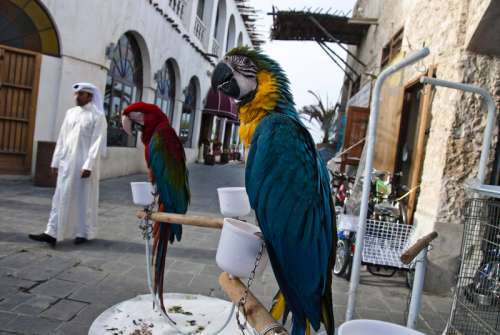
{"x":129,"y":120}
{"x":246,"y":85}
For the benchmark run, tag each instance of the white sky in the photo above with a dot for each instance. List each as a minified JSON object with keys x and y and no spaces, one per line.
{"x":308,"y":67}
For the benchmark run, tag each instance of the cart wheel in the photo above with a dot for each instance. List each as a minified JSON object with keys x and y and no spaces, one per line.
{"x":348,"y":270}
{"x":410,"y":275}
{"x":342,"y":258}
{"x":381,"y":271}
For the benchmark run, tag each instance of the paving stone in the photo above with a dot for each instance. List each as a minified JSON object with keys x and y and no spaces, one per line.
{"x":89,"y":313}
{"x":205,"y":284}
{"x":14,"y":299}
{"x":210,"y":269}
{"x":19,"y":260}
{"x":64,"y":310}
{"x":187,"y":267}
{"x":56,"y":288}
{"x":176,"y":281}
{"x":373,"y":314}
{"x":25,"y":324}
{"x":6,"y":317}
{"x":73,"y":328}
{"x":46,"y":268}
{"x":11,"y":280}
{"x":82,"y":274}
{"x":35,"y":305}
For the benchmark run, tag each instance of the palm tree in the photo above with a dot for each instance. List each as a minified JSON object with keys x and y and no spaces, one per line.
{"x":325,"y":116}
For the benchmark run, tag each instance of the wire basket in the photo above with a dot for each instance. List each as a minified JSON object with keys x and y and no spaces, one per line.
{"x":385,"y":242}
{"x":476,"y":305}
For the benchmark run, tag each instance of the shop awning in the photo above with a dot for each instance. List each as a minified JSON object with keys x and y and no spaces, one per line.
{"x":220,"y":105}
{"x":304,"y":26}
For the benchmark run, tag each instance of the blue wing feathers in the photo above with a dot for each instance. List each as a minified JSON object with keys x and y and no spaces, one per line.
{"x":287,"y":188}
{"x":167,"y":162}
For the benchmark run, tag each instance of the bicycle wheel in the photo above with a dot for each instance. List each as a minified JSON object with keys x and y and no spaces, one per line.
{"x":342,"y":258}
{"x":380,"y":270}
{"x":410,"y":276}
{"x":403,"y":210}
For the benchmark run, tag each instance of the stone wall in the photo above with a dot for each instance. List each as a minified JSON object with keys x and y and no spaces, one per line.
{"x":457,"y":119}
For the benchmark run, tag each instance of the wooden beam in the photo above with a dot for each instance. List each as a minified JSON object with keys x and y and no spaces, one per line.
{"x":189,"y":220}
{"x":257,"y":315}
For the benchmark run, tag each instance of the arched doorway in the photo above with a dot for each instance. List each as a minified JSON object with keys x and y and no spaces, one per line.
{"x":26,"y":32}
{"x":27,"y":25}
{"x":165,"y":89}
{"x":123,"y":87}
{"x":189,"y":113}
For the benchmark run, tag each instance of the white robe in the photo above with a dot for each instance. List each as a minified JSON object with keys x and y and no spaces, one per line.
{"x":81,"y":141}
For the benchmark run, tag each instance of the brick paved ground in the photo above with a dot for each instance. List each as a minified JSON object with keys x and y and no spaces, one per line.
{"x":62,"y":290}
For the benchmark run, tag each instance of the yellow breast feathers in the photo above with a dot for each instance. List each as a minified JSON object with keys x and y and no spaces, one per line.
{"x":254,"y":111}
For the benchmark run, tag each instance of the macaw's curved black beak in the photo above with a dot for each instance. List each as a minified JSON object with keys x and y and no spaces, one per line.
{"x":223,"y":80}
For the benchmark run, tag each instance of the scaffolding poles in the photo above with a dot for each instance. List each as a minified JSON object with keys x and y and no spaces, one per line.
{"x":372,"y":127}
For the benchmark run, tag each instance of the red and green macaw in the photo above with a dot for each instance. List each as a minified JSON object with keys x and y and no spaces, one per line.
{"x":287,"y":185}
{"x":166,"y":161}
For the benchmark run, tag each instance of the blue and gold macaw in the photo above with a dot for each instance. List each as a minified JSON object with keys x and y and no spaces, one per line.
{"x":287,"y":185}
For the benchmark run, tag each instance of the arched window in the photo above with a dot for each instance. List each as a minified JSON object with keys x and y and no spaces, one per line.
{"x":123,"y":87}
{"x":26,"y":25}
{"x":219,"y":28}
{"x":165,"y":89}
{"x":240,"y":39}
{"x":188,"y":114}
{"x":201,"y":8}
{"x":231,"y":34}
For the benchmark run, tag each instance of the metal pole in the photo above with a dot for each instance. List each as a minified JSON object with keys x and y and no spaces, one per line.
{"x":418,"y":286}
{"x":336,"y":62}
{"x":490,"y":121}
{"x":336,"y":40}
{"x":372,"y":128}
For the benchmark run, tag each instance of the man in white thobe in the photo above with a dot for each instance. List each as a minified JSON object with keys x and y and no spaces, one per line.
{"x":81,"y":142}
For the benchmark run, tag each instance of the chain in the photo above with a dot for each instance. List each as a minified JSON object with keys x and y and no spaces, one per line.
{"x":243,"y":300}
{"x":145,"y":226}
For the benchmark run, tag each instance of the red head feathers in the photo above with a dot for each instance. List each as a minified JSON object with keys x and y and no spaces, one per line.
{"x":148,"y":116}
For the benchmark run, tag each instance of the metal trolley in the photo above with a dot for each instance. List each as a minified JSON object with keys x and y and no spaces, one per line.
{"x":384,"y":243}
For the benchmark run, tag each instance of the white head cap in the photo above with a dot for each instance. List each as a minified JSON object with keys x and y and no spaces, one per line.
{"x":92,"y":89}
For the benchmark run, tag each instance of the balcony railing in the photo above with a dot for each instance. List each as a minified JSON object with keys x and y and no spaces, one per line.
{"x":177,"y":6}
{"x":199,"y":29}
{"x":215,"y":47}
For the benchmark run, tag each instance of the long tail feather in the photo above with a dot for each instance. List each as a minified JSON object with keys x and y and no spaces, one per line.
{"x":161,"y":236}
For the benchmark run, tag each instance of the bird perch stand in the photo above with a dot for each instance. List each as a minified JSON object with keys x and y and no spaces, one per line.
{"x":257,"y":316}
{"x":189,"y":220}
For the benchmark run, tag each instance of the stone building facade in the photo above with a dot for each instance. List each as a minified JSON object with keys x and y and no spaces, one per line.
{"x":160,"y":51}
{"x":464,"y":48}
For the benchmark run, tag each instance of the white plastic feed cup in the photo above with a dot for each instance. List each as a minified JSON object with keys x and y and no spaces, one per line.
{"x":233,"y":201}
{"x":374,"y":327}
{"x":142,"y":193}
{"x":238,"y":249}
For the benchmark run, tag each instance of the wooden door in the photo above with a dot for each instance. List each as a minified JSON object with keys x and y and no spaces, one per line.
{"x":418,"y":156}
{"x":19,"y":75}
{"x":355,"y":132}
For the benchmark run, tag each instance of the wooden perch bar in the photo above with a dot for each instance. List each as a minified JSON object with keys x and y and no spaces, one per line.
{"x":190,"y":220}
{"x":409,"y":255}
{"x":257,"y":315}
